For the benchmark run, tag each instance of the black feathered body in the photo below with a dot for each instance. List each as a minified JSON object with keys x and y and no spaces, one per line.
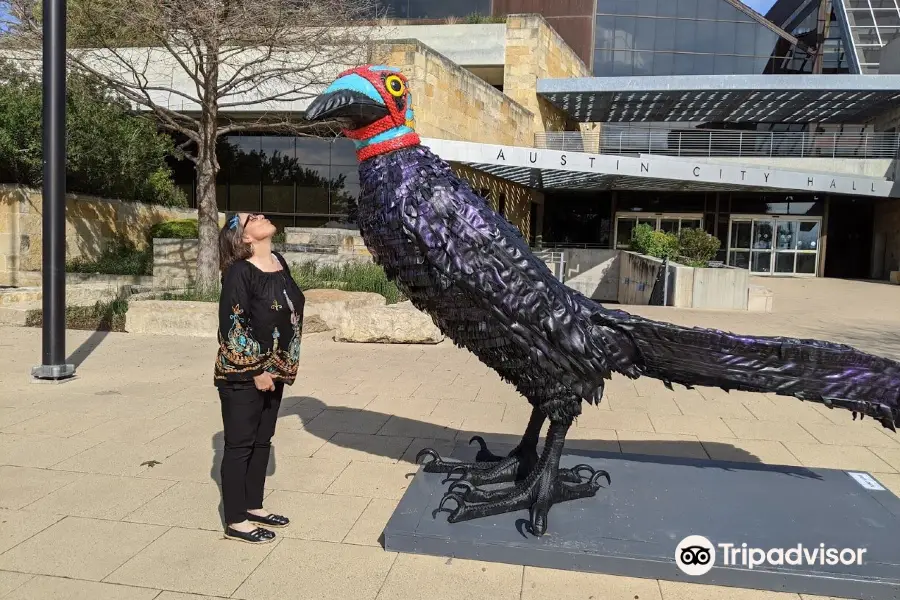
{"x":472,"y":271}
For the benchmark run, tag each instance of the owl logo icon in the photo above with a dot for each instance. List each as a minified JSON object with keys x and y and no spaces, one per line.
{"x":695,"y":555}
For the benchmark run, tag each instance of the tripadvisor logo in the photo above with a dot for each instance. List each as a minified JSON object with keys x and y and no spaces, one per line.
{"x":695,"y":555}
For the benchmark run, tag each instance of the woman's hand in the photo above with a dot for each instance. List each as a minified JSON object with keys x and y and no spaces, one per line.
{"x":264,"y":382}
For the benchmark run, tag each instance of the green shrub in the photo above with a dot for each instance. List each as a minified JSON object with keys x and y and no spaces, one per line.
{"x":696,"y":247}
{"x":103,"y":316}
{"x":350,"y":277}
{"x":646,"y":240}
{"x":478,"y":19}
{"x":111,"y":151}
{"x":180,"y":229}
{"x":191,"y":295}
{"x":120,"y":258}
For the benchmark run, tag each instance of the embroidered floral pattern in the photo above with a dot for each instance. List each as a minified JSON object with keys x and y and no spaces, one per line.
{"x":240,"y":353}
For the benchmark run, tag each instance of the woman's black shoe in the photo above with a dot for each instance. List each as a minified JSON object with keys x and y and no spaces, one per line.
{"x":257,"y":536}
{"x":270,"y":520}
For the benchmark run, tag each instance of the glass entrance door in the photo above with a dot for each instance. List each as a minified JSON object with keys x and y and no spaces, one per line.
{"x":761,"y":250}
{"x":774,"y":245}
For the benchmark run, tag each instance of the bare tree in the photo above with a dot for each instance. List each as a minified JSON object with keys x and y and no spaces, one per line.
{"x":208,"y":68}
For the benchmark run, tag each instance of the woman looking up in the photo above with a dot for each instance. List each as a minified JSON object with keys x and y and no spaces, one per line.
{"x":260,"y":326}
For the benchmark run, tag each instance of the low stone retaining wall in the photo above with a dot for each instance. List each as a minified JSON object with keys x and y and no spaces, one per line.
{"x":17,"y":303}
{"x":340,"y":241}
{"x":725,"y":288}
{"x":175,"y":260}
{"x":76,"y":295}
{"x":173,"y":317}
{"x":593,"y":272}
{"x":354,"y":316}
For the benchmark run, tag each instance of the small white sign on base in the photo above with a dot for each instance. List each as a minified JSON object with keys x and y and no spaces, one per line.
{"x":866,"y":481}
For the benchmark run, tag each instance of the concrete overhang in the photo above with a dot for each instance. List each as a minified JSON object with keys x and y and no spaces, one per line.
{"x":476,"y":45}
{"x":480,"y":48}
{"x":725,"y":98}
{"x":555,"y":170}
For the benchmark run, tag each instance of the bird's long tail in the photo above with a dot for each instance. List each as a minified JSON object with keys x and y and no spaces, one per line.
{"x":833,"y":374}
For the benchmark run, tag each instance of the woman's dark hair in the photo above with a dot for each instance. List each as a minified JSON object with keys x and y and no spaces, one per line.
{"x":232,"y":246}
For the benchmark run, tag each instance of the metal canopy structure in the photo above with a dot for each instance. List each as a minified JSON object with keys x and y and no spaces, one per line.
{"x":724,"y":98}
{"x":551,"y":169}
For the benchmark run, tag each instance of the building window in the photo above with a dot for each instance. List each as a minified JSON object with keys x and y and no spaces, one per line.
{"x":279,"y":163}
{"x":243,"y":165}
{"x":668,"y":222}
{"x":684,"y":37}
{"x":432,"y":9}
{"x":292,"y":180}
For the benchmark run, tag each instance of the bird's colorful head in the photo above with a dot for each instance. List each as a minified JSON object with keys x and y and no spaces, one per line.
{"x":374,"y":106}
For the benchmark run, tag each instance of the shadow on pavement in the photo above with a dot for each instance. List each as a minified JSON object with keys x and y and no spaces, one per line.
{"x":87,"y":347}
{"x":307,"y":410}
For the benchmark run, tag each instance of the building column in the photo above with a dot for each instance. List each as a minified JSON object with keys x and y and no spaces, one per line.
{"x":538,"y":200}
{"x":823,"y":239}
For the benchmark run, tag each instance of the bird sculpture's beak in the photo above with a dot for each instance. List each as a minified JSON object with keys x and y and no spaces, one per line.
{"x":354,"y":109}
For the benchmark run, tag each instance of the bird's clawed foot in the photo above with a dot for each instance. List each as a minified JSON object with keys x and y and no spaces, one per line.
{"x":488,"y":467}
{"x":544,"y":488}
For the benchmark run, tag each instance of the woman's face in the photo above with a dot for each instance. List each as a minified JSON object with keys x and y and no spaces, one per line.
{"x":256,"y":227}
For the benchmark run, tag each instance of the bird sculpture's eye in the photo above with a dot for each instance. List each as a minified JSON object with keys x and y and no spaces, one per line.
{"x":395,"y":85}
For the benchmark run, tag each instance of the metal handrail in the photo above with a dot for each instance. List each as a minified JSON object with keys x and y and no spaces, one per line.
{"x":717,"y":142}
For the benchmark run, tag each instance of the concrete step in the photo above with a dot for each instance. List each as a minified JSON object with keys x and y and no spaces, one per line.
{"x":85,"y":294}
{"x":760,"y":299}
{"x":325,"y":239}
{"x":16,"y":315}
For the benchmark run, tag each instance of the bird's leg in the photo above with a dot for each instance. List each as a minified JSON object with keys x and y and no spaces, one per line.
{"x":488,"y":467}
{"x":538,"y":492}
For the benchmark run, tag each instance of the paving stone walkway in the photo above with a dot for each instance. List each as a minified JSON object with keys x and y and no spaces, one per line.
{"x":108,"y":483}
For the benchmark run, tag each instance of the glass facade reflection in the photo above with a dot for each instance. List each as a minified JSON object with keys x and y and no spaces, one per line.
{"x":295,"y":181}
{"x":432,"y":9}
{"x":872,"y":24}
{"x":687,"y":37}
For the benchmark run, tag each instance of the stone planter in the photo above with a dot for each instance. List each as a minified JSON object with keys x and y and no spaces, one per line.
{"x":173,"y":317}
{"x":710,"y":288}
{"x":394,"y":324}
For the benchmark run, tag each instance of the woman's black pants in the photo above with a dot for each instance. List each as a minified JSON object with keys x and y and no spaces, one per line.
{"x":248,"y":417}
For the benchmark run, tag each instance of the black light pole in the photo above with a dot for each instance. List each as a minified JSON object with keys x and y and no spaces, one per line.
{"x":53,"y":366}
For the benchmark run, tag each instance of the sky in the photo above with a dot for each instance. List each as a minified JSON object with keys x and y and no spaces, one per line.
{"x":760,"y":6}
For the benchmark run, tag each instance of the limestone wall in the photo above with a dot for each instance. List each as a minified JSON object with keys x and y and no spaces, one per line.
{"x":534,"y":50}
{"x":451,"y":103}
{"x":91,"y":224}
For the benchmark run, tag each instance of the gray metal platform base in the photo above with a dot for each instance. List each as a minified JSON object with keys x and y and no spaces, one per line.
{"x":632,"y":527}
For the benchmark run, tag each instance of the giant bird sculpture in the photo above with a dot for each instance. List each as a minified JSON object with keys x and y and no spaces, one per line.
{"x":474,"y":274}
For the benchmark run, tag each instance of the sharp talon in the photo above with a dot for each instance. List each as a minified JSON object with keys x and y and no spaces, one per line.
{"x":577,"y":469}
{"x":461,"y":469}
{"x":481,"y":442}
{"x":427,"y":452}
{"x":463,"y":484}
{"x":448,"y":496}
{"x":596,"y":478}
{"x":538,"y":518}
